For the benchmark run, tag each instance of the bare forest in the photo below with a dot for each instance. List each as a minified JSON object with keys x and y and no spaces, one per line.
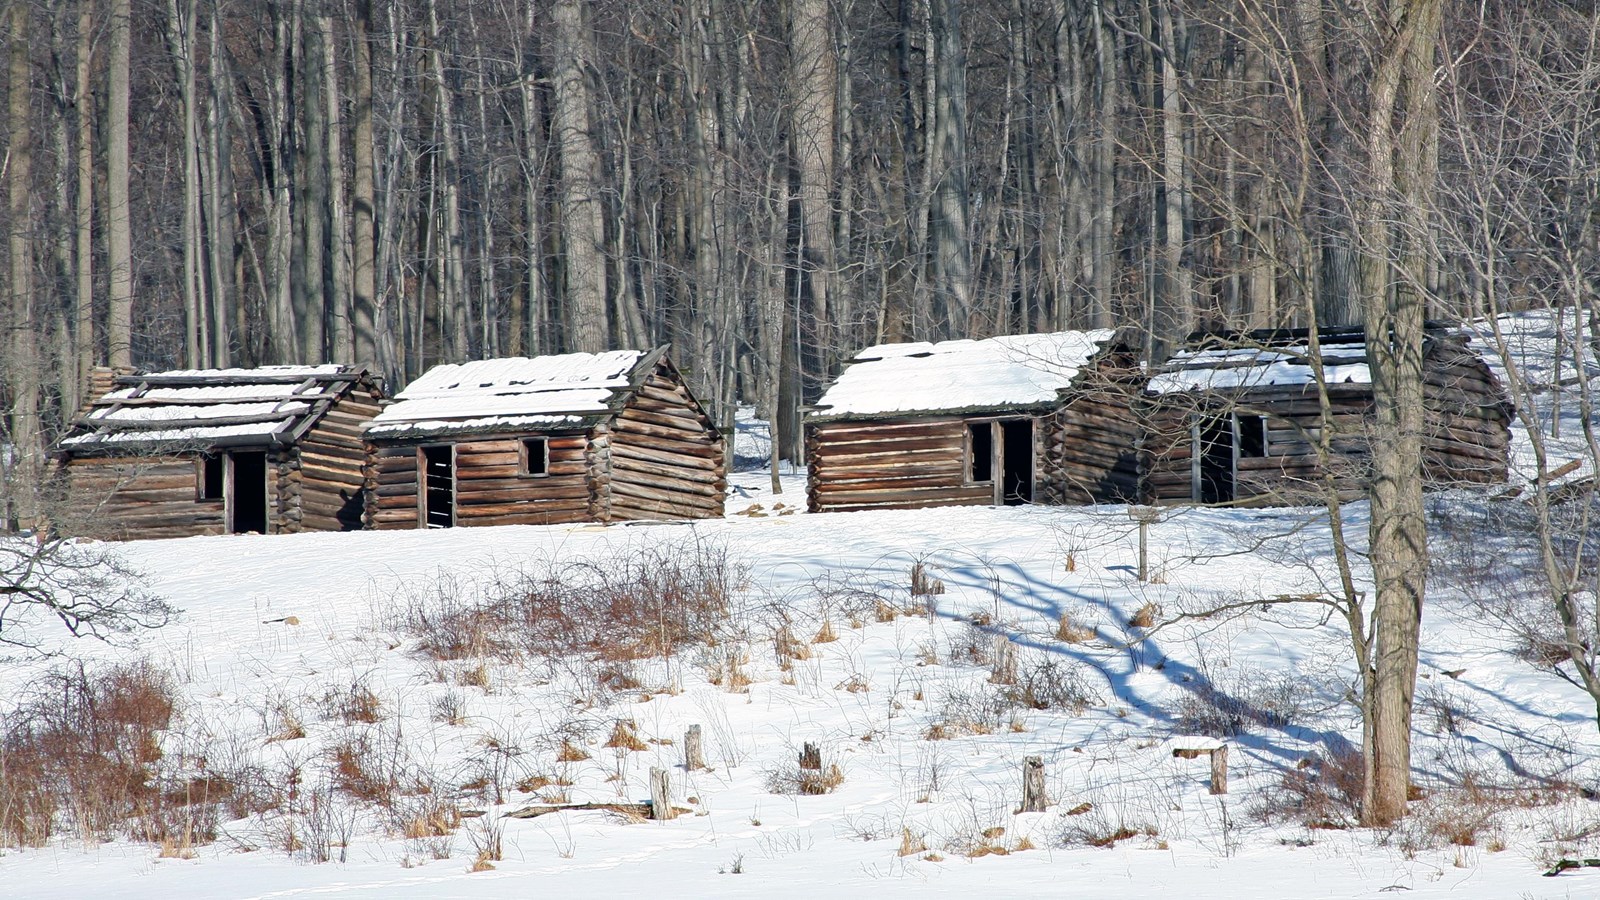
{"x":767,"y":186}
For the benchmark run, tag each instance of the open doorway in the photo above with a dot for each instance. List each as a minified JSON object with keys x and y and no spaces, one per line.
{"x":1214,"y":459}
{"x":1016,"y":462}
{"x":1000,"y":455}
{"x":247,"y":493}
{"x":439,"y":486}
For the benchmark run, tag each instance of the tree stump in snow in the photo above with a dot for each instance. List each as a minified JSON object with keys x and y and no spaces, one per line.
{"x":694,"y":757}
{"x":811,"y":757}
{"x":1034,"y":798}
{"x":661,"y":796}
{"x":1219,"y":770}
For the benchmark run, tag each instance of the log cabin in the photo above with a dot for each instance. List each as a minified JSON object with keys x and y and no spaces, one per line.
{"x":1238,"y":418}
{"x":272,"y":450}
{"x":1034,"y":418}
{"x":580,"y":437}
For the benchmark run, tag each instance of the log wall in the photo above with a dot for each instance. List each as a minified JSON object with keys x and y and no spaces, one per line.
{"x":660,"y":458}
{"x":491,"y":488}
{"x":890,"y":464}
{"x":1467,"y":441}
{"x":327,"y":479}
{"x":1089,"y":451}
{"x":148,"y":497}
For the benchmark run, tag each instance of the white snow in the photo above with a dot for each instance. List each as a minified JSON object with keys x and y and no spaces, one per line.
{"x":1210,"y":370}
{"x":867,"y":699}
{"x":496,"y":391}
{"x":1012,"y":371}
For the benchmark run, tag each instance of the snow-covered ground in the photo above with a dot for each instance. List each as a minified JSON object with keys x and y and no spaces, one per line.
{"x":909,"y":701}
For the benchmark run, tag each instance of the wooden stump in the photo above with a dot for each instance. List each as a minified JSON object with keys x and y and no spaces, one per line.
{"x":661,"y":796}
{"x":1219,"y":770}
{"x":811,"y":757}
{"x":1034,"y":798}
{"x":694,"y":757}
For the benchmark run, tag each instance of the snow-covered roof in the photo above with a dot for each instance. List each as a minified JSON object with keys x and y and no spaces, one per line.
{"x":519,"y":392}
{"x":1240,"y":368}
{"x":208,"y":407}
{"x":1011,"y":372}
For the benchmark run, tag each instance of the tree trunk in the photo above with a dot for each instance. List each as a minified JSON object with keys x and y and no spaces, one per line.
{"x":337,"y":271}
{"x":813,"y":78}
{"x":119,"y":235}
{"x":952,"y":233}
{"x":1395,"y":225}
{"x":364,"y":247}
{"x":584,"y":303}
{"x":21,"y":376}
{"x":83,"y":102}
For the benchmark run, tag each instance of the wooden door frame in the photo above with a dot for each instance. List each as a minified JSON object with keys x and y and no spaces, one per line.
{"x":422,"y":483}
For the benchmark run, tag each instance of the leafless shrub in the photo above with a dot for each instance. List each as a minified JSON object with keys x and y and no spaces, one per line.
{"x":1052,"y":684}
{"x":1321,"y":791}
{"x":356,"y":703}
{"x":87,"y":744}
{"x":1228,"y":705}
{"x":963,"y":713}
{"x":449,"y":708}
{"x":642,"y":602}
{"x":791,"y":779}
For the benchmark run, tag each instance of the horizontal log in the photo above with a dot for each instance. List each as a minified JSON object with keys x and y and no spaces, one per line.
{"x":842,"y":485}
{"x":954,"y":445}
{"x":664,"y":457}
{"x":474,"y":513}
{"x":859,"y":504}
{"x":873,"y":430}
{"x":647,"y":470}
{"x":552,"y":517}
{"x":634,"y":434}
{"x":677,"y":408}
{"x":700,"y":495}
{"x":637,"y":419}
{"x":523,"y":494}
{"x":888,"y":468}
{"x":982,"y":493}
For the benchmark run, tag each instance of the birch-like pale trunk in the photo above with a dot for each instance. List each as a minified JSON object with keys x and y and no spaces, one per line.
{"x":119,"y":233}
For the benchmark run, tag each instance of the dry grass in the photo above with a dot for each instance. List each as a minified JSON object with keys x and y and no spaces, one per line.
{"x":571,"y":752}
{"x":826,"y":634}
{"x":89,"y":745}
{"x":356,"y":703}
{"x":1145,"y":617}
{"x":625,"y":736}
{"x":1070,"y":632}
{"x":792,"y":779}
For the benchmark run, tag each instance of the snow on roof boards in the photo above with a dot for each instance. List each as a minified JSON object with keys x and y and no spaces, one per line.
{"x":210,"y":407}
{"x":519,"y":392}
{"x":1243,"y":368}
{"x":1011,"y":372}
{"x":1282,"y":358}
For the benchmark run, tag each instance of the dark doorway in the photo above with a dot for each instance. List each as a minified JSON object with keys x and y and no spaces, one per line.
{"x":1214,"y":463}
{"x":247,"y":487}
{"x":1016,"y":439}
{"x":980,"y":452}
{"x":439,"y":486}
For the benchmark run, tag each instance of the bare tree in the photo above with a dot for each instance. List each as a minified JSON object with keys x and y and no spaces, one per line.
{"x":85,"y":587}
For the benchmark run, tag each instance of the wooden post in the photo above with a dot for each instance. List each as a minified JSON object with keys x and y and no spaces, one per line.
{"x":661,"y":796}
{"x":694,"y":757}
{"x":1005,"y":661}
{"x":811,"y":757}
{"x":1034,"y":798}
{"x":1144,"y":515}
{"x":1219,"y":770}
